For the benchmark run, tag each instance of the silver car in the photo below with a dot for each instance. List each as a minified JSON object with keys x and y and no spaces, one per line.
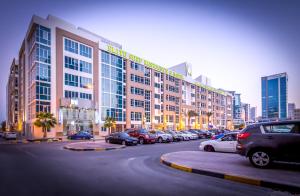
{"x":161,"y":136}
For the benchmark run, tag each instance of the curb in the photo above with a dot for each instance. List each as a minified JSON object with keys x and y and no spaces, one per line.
{"x":93,"y":149}
{"x":235,"y":178}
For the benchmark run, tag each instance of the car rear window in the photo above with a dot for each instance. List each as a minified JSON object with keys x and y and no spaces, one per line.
{"x":280,"y":128}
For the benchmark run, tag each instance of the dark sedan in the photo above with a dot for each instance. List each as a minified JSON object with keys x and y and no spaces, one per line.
{"x":121,"y":138}
{"x":82,"y":135}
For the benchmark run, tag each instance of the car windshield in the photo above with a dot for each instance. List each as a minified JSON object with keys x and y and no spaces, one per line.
{"x":159,"y":132}
{"x":124,"y":135}
{"x":143,"y":131}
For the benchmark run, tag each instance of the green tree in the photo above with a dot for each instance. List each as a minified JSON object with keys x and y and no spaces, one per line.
{"x":191,"y":113}
{"x":109,"y":123}
{"x":45,"y":120}
{"x":3,"y":125}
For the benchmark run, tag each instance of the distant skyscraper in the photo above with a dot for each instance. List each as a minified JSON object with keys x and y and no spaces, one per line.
{"x":274,"y":96}
{"x":291,"y":110}
{"x":246,"y":108}
{"x":253,"y":114}
{"x":297,"y":114}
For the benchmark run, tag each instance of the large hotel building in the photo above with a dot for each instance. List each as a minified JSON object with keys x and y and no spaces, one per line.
{"x":82,"y":78}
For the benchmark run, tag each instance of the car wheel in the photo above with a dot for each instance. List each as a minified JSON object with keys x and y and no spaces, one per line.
{"x":209,"y":148}
{"x":160,"y":140}
{"x":260,"y":159}
{"x":141,"y":140}
{"x":123,"y":143}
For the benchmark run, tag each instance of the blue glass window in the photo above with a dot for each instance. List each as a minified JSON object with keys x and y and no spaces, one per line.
{"x":71,"y":46}
{"x":105,"y":99}
{"x":105,"y":85}
{"x":105,"y":71}
{"x":85,"y":67}
{"x":85,"y":51}
{"x":71,"y":94}
{"x":43,"y":35}
{"x":71,"y":63}
{"x":43,"y":53}
{"x":116,"y":61}
{"x":86,"y":82}
{"x":86,"y":96}
{"x":105,"y":57}
{"x":43,"y":72}
{"x":42,"y":91}
{"x":116,"y":74}
{"x":71,"y":80}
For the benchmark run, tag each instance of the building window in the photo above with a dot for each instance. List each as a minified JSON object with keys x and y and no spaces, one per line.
{"x":43,"y":35}
{"x":43,"y":72}
{"x":136,"y":116}
{"x":42,"y":91}
{"x":85,"y":51}
{"x":85,"y":67}
{"x":85,"y":82}
{"x":116,"y":74}
{"x":71,"y":46}
{"x":116,"y":61}
{"x":105,"y":71}
{"x":42,"y":106}
{"x":43,"y":53}
{"x":136,"y":103}
{"x":105,"y":57}
{"x":71,"y":94}
{"x":86,"y":96}
{"x":71,"y":80}
{"x":71,"y":63}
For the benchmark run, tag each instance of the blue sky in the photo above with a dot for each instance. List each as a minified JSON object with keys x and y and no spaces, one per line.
{"x":232,"y":42}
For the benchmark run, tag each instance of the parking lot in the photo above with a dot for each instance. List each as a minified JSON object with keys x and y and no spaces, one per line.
{"x":48,"y":169}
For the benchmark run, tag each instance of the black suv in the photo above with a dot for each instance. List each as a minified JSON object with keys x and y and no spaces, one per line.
{"x":267,"y":142}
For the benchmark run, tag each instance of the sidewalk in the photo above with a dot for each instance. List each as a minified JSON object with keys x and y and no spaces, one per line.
{"x":235,"y":168}
{"x":92,"y":146}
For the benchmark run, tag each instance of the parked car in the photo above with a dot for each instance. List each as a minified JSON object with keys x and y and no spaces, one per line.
{"x":161,"y":136}
{"x":201,"y":134}
{"x":10,"y":135}
{"x":227,"y":143}
{"x":192,"y":136}
{"x":142,"y":135}
{"x":264,"y":143}
{"x":176,"y":136}
{"x":2,"y":133}
{"x":184,"y":135}
{"x":121,"y":138}
{"x":80,"y":136}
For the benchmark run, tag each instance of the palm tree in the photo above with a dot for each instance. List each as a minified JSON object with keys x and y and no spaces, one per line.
{"x":208,"y":114}
{"x":45,"y":120}
{"x":191,"y":113}
{"x":109,"y":123}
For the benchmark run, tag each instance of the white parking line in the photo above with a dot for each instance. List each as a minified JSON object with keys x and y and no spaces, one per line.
{"x":28,"y":153}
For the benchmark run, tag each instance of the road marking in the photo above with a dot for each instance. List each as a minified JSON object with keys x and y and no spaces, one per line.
{"x":28,"y":153}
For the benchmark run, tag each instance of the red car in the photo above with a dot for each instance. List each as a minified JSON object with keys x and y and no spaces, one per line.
{"x":142,"y":135}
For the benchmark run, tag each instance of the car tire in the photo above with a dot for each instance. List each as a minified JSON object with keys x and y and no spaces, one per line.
{"x":260,"y":158}
{"x":209,"y":148}
{"x":123,"y":143}
{"x":160,"y":140}
{"x":141,"y":140}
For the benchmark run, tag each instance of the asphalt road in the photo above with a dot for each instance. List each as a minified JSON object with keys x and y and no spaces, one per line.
{"x":48,"y":169}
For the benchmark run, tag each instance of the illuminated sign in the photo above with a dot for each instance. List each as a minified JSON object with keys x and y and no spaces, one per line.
{"x":159,"y":68}
{"x":139,"y":60}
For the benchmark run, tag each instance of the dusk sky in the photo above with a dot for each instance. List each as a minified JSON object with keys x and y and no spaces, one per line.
{"x":232,"y":42}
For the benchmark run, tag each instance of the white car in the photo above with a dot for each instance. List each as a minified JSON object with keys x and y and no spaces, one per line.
{"x":184,"y":135}
{"x":226,"y":143}
{"x":10,"y":135}
{"x":192,"y":136}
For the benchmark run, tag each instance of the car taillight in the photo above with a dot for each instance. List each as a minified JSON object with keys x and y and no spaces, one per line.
{"x":243,"y":135}
{"x":146,"y":136}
